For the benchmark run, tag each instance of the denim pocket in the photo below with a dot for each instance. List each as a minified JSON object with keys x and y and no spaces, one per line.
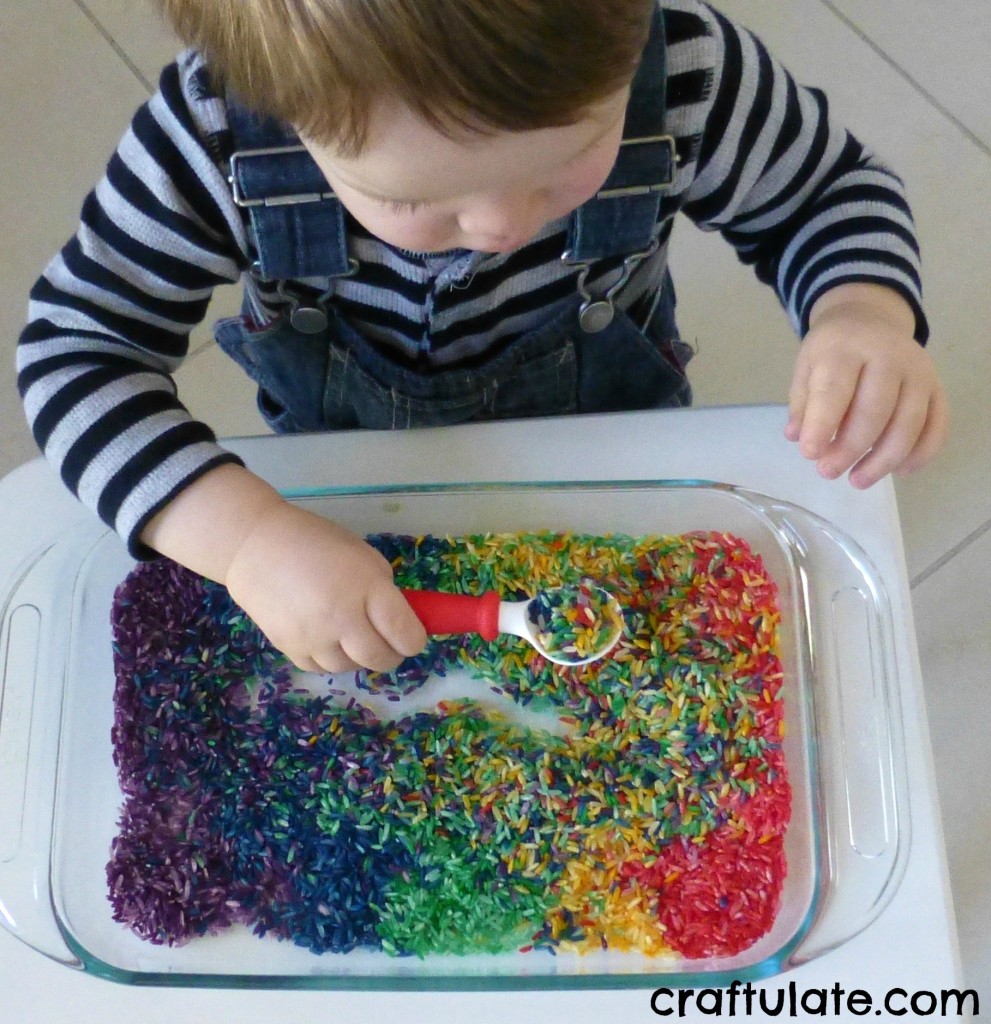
{"x":514,"y":387}
{"x":289,"y":368}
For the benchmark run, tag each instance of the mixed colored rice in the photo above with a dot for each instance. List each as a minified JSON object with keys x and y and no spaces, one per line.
{"x":655,"y":823}
{"x":575,"y":622}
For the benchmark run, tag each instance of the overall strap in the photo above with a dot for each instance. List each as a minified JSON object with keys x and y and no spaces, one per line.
{"x":297,"y":221}
{"x":622,"y":216}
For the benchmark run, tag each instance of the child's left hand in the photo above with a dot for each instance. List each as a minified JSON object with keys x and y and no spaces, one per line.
{"x":865,"y":396}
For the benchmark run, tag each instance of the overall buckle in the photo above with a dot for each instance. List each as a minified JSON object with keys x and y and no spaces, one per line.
{"x":667,"y":164}
{"x":237,"y":189}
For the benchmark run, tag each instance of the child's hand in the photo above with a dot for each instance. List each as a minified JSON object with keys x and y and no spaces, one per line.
{"x":865,"y":396}
{"x":322,"y":595}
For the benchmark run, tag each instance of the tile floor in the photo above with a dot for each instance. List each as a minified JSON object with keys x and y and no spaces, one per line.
{"x":73,"y":71}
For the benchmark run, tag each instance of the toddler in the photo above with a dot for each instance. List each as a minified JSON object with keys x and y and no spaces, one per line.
{"x":444,"y":211}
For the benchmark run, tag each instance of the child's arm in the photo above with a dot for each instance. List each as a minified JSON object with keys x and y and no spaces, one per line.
{"x":865,"y":396}
{"x":319,"y":593}
{"x":109,"y":324}
{"x":822,"y":220}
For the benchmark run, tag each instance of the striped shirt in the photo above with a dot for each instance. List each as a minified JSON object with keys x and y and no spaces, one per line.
{"x":760,"y":161}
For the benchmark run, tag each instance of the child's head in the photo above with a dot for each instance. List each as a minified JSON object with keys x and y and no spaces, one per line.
{"x":482,"y":65}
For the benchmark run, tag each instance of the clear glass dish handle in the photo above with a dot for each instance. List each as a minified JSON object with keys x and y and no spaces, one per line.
{"x":863,"y":794}
{"x":31,"y":681}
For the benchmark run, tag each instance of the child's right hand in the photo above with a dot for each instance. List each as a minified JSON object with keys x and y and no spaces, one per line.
{"x":320,"y":594}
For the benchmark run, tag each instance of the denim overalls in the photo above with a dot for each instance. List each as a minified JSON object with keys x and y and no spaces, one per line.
{"x":315,"y":372}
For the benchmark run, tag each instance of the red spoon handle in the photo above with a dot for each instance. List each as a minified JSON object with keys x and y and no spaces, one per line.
{"x":456,"y":613}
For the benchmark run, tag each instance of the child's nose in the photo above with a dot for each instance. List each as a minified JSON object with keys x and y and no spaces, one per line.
{"x":503,"y":222}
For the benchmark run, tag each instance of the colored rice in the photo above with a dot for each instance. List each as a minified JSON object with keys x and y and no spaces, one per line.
{"x":655,"y":824}
{"x":574,"y":623}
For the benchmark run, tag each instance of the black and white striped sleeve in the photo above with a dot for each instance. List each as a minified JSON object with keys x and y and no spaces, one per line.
{"x":797,"y":195}
{"x":110,"y":317}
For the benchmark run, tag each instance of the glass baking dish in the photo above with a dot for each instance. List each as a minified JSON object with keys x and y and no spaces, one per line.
{"x":846,"y":845}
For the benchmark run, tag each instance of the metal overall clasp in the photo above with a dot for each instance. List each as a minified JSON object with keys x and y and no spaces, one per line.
{"x":596,"y":314}
{"x":656,"y":158}
{"x":306,"y":315}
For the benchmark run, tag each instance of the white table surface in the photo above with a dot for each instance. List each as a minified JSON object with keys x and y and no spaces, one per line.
{"x":911,"y":946}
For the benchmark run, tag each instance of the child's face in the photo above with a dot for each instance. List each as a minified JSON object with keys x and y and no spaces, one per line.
{"x":415,"y":188}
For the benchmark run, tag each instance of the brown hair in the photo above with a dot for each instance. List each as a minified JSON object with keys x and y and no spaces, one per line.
{"x":480,"y":65}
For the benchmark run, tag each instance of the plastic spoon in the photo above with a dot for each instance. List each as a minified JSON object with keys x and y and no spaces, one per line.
{"x":569,"y":625}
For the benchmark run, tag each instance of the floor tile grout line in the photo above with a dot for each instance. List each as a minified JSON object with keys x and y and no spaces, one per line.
{"x":913,"y":82}
{"x":971,"y":538}
{"x":114,"y":45}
